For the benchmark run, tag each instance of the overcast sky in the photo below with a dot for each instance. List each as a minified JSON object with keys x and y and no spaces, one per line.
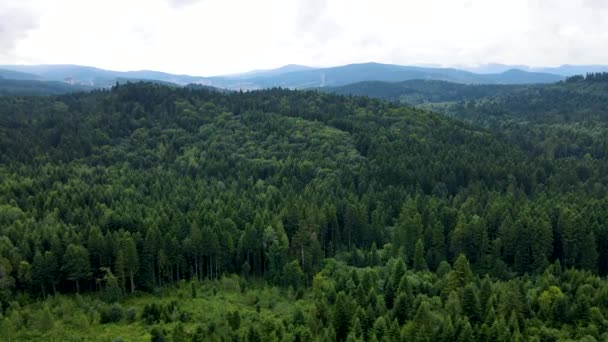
{"x":210,"y":37}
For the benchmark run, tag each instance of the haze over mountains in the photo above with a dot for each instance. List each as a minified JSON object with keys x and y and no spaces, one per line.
{"x":562,"y":70}
{"x":301,"y":77}
{"x":56,"y":79}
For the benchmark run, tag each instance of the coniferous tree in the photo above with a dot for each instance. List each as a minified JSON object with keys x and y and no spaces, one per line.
{"x":419,"y":260}
{"x":76,"y":264}
{"x":343,"y":313}
{"x":409,"y":228}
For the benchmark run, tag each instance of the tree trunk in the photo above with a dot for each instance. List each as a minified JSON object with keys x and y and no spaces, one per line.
{"x":132,"y":282}
{"x":77,"y":286}
{"x":196,"y":267}
{"x":160,"y":277}
{"x":153,"y":273}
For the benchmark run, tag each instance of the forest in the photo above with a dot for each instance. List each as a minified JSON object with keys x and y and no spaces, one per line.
{"x":148,"y":212}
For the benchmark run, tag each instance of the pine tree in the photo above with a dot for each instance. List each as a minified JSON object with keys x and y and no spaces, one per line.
{"x":459,"y":276}
{"x":343,"y":313}
{"x":436,"y":249}
{"x":409,"y":228}
{"x":419,"y":261}
{"x":380,"y":328}
{"x":588,"y":255}
{"x":568,"y":229}
{"x":466,"y":333}
{"x":447,"y":332}
{"x":402,"y":308}
{"x":131,"y":260}
{"x":76,"y":264}
{"x":470,"y":303}
{"x":424,"y":329}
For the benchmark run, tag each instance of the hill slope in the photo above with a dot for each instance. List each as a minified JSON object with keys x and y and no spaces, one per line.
{"x":359,"y":211}
{"x":564,"y":119}
{"x":32,"y":87}
{"x":16,"y":75}
{"x":416,"y":92}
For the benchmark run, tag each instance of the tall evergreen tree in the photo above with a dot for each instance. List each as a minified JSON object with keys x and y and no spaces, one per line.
{"x":76,"y":264}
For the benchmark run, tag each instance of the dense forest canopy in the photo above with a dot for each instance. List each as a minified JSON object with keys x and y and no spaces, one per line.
{"x":564,"y":120}
{"x":560,"y":120}
{"x":390,"y":222}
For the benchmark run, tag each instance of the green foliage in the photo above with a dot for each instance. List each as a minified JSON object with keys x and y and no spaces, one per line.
{"x":292,"y":274}
{"x":111,"y":292}
{"x":131,"y":315}
{"x":144,"y":188}
{"x":76,"y":264}
{"x":111,"y":314}
{"x":419,"y":260}
{"x":157,"y":335}
{"x":45,"y":320}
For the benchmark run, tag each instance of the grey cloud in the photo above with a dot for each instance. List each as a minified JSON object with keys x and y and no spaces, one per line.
{"x":15,"y":23}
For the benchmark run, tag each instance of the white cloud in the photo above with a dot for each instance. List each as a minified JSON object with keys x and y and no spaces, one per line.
{"x":208,"y":37}
{"x":182,"y":3}
{"x":15,"y":24}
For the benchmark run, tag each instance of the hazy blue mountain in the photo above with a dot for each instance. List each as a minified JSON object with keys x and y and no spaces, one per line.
{"x":353,"y":73}
{"x":16,"y":75}
{"x":97,"y":77}
{"x":161,"y":76}
{"x":494,"y":68}
{"x":33,"y":87}
{"x":289,"y":76}
{"x":61,"y":72}
{"x":516,"y":76}
{"x":272,"y":72}
{"x":563,"y":70}
{"x":571,"y":70}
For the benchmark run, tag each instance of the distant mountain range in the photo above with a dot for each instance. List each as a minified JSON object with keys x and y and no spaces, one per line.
{"x":90,"y":76}
{"x":342,"y":75}
{"x":297,"y":76}
{"x":563,"y":70}
{"x":16,"y":75}
{"x":439,"y":95}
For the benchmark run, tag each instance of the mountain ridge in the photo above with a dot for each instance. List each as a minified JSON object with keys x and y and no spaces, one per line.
{"x":288,"y":76}
{"x":295,"y":76}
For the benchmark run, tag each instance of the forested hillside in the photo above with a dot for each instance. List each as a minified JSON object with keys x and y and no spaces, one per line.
{"x":10,"y":87}
{"x":564,"y":120}
{"x":375,"y":221}
{"x":560,"y":120}
{"x":416,"y":92}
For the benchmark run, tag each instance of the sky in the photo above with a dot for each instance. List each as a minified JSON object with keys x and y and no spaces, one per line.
{"x":213,"y":37}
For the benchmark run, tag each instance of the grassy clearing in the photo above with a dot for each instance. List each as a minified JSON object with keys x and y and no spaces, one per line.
{"x":78,"y":318}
